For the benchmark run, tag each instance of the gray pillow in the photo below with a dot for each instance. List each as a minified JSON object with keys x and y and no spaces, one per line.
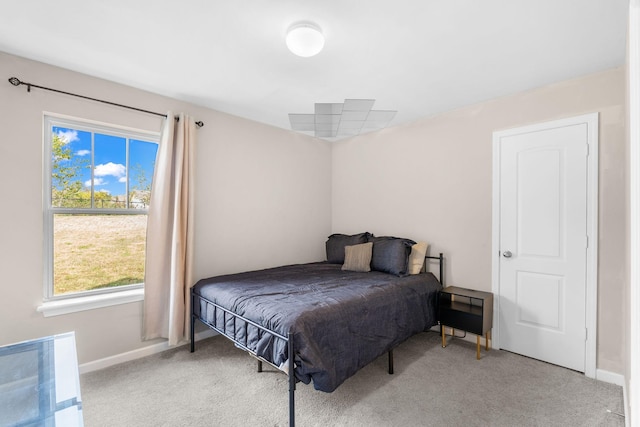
{"x":358,"y":257}
{"x":391,"y":254}
{"x":336,"y":243}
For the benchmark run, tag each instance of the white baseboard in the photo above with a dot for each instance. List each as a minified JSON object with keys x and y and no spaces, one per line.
{"x":625,"y":399}
{"x":135,"y":354}
{"x":610,"y":377}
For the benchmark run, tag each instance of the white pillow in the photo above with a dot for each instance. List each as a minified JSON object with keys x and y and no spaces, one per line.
{"x":416,"y":258}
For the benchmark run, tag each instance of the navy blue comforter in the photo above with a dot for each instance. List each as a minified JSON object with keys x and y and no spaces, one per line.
{"x":340,"y":320}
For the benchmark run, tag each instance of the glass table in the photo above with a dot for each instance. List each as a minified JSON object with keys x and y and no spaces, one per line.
{"x":40,"y":384}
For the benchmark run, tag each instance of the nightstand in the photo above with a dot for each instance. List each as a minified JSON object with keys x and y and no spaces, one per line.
{"x":468,"y":310}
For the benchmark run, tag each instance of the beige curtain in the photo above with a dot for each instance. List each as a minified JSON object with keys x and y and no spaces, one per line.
{"x":169,"y":255}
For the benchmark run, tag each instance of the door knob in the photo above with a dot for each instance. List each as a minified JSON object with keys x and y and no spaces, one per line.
{"x":507,"y":254}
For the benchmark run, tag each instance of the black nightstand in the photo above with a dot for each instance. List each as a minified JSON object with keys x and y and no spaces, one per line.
{"x":468,"y":310}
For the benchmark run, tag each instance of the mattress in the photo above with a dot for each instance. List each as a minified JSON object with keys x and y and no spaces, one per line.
{"x":340,"y":320}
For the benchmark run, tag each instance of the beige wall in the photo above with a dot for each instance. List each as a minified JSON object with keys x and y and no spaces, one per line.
{"x":263,"y":198}
{"x":266,"y":196}
{"x":432,"y":180}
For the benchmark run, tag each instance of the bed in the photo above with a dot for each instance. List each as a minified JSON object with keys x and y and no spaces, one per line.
{"x":334,"y":317}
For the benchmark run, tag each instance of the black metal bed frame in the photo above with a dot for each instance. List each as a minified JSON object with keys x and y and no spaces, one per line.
{"x":287,"y":339}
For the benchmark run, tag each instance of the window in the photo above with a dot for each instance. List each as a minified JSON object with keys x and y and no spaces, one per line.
{"x":97,"y":191}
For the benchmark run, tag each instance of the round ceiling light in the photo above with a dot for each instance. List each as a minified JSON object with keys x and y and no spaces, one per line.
{"x":305,"y":39}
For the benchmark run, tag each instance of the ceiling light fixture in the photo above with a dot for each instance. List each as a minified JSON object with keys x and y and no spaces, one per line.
{"x":305,"y":39}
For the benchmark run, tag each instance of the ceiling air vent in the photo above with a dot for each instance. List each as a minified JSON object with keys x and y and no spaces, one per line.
{"x":339,"y":120}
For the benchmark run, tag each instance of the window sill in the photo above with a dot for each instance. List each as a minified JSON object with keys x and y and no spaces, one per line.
{"x":73,"y":305}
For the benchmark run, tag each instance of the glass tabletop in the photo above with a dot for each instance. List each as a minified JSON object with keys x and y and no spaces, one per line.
{"x":39,"y":383}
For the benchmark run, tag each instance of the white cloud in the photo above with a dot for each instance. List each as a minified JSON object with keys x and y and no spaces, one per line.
{"x":96,"y":181}
{"x":83,"y":152}
{"x":68,"y":136}
{"x":122,"y":179}
{"x":110,"y":169}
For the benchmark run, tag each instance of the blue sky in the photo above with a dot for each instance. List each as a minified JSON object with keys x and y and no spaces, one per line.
{"x":110,"y":159}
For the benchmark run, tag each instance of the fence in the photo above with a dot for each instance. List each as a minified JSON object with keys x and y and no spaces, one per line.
{"x":113,"y":203}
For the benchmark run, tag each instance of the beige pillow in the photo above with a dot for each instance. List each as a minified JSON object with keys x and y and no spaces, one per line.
{"x":358,"y":257}
{"x":416,"y":258}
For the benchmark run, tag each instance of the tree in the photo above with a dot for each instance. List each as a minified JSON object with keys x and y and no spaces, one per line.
{"x":66,"y":188}
{"x":104,"y":200}
{"x":140,"y":192}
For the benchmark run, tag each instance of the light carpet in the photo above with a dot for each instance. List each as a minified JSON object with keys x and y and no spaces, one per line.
{"x":218,"y":385}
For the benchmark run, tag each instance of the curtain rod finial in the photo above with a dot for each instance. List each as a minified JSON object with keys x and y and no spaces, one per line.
{"x":15,"y":81}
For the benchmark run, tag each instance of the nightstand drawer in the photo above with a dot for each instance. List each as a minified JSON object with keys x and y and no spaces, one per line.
{"x":458,"y":319}
{"x":468,"y":310}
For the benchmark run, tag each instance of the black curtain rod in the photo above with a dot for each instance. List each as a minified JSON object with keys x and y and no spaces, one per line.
{"x":16,"y":82}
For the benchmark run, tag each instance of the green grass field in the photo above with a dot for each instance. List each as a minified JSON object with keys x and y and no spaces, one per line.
{"x":93,"y":252}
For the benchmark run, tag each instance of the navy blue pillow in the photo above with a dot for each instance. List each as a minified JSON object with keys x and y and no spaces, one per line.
{"x":391,"y":255}
{"x":336,"y":243}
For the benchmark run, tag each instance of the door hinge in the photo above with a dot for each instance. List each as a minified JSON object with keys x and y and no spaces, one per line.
{"x":587,"y":150}
{"x":586,"y":241}
{"x":586,"y":334}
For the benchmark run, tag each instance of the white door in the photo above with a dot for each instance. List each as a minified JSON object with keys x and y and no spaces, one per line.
{"x":543,"y":241}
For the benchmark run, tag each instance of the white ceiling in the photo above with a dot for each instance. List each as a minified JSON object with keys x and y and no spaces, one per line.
{"x":419,"y":57}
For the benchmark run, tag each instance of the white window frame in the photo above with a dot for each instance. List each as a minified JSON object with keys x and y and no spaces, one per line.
{"x":78,"y":301}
